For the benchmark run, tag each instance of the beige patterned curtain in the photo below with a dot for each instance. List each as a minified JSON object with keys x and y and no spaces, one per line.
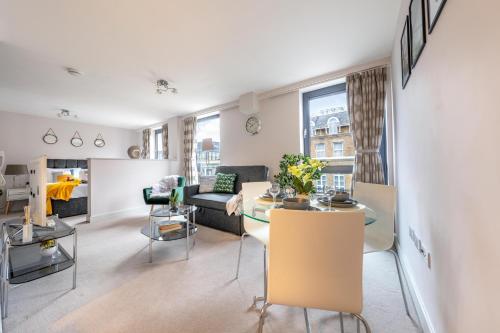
{"x":164,"y":140}
{"x":146,"y":134}
{"x":366,"y":92}
{"x":189,"y":151}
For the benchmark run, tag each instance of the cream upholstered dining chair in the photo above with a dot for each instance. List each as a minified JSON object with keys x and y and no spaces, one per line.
{"x":379,"y":236}
{"x":316,"y":261}
{"x":258,"y":230}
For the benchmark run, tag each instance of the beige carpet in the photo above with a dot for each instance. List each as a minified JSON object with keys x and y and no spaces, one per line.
{"x":119,"y":291}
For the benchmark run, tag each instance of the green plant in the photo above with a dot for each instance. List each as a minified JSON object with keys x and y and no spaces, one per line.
{"x":284,"y":178}
{"x":174,"y":198}
{"x":304,"y":174}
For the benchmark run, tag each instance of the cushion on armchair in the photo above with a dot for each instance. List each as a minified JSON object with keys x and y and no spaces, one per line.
{"x":181,"y":182}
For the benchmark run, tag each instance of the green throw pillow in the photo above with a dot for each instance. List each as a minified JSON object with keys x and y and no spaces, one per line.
{"x":224,"y":183}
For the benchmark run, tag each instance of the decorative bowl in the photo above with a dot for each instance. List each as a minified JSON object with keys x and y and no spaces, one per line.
{"x":296,"y":203}
{"x":341,"y":196}
{"x":48,"y":251}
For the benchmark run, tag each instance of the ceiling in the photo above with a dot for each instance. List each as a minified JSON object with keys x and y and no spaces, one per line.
{"x":211,"y":51}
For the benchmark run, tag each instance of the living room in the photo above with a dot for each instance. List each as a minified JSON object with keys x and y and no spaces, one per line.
{"x":242,"y":166}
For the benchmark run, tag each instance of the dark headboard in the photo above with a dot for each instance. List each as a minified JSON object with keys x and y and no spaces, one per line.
{"x":66,"y":164}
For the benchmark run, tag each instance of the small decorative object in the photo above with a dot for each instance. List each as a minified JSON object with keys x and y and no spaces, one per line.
{"x":50,"y":137}
{"x":417,"y":30}
{"x":27,"y":226}
{"x":304,"y":174}
{"x":341,"y":196}
{"x":48,"y":247}
{"x":134,"y":152}
{"x":434,"y":8}
{"x":174,"y":200}
{"x":253,"y":125}
{"x":405,"y":54}
{"x":76,"y":140}
{"x":296,"y":203}
{"x":99,"y":141}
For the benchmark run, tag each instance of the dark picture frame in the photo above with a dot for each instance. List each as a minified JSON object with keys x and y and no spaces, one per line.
{"x":434,"y":8}
{"x":405,"y":53}
{"x":417,"y":30}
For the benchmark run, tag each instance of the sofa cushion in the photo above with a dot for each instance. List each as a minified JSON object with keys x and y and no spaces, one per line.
{"x":245,"y":174}
{"x":207,"y":184}
{"x":211,"y":200}
{"x":224,"y":183}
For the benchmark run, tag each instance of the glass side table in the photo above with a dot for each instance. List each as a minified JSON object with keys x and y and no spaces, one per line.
{"x":166,"y":216}
{"x":24,"y":262}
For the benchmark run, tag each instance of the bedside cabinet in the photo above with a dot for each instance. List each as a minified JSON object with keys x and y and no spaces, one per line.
{"x":14,"y":194}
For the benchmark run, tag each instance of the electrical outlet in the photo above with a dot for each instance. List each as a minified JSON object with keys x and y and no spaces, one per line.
{"x":420,"y":247}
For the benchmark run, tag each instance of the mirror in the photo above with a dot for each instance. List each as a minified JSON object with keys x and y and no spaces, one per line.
{"x":76,"y":140}
{"x":50,"y":137}
{"x":99,"y":141}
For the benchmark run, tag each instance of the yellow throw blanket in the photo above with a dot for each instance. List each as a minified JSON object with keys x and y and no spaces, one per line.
{"x":60,"y":191}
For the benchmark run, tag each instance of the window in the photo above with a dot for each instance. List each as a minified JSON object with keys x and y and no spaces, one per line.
{"x":333,"y":125}
{"x":338,"y":149}
{"x":320,"y":150}
{"x":328,"y":136}
{"x":339,"y":181}
{"x":320,"y":183}
{"x":208,"y":154}
{"x":158,"y":148}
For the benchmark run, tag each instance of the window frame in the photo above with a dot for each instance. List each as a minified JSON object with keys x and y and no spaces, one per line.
{"x":341,"y":150}
{"x":155,"y":136}
{"x":323,"y":151}
{"x":306,"y":135}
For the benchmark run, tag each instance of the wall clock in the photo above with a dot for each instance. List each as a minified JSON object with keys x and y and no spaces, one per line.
{"x":253,"y":125}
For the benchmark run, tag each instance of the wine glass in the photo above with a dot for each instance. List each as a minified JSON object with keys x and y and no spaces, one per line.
{"x":329,"y":192}
{"x":274,"y":190}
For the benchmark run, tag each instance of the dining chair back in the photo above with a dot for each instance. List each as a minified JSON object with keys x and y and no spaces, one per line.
{"x":316,"y":259}
{"x":254,"y":228}
{"x":379,"y":236}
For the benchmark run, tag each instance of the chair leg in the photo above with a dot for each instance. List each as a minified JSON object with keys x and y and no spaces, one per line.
{"x":306,"y":317}
{"x":151,"y":210}
{"x":363,"y":320}
{"x":239,"y":256}
{"x":262,"y":316}
{"x":265,"y":274}
{"x":402,"y":276}
{"x":341,"y":317}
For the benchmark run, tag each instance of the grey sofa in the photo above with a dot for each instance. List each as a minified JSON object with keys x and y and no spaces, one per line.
{"x":212,"y":206}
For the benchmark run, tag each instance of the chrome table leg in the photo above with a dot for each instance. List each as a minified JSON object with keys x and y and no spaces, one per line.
{"x":341,"y":317}
{"x":74,"y":258}
{"x":187,"y":238}
{"x":150,"y":239}
{"x":306,"y":317}
{"x":239,"y":256}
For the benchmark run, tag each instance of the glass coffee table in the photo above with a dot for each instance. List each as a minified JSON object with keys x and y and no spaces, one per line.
{"x":24,"y":262}
{"x":167,"y":225}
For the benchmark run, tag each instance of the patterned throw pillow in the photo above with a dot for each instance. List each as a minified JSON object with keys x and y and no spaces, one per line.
{"x":207,"y":184}
{"x":224,"y":183}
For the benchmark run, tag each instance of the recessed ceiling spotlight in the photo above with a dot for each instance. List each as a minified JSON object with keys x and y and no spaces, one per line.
{"x":162,"y":86}
{"x":64,"y":113}
{"x":73,"y":71}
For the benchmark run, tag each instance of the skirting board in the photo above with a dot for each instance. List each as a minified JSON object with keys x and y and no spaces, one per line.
{"x":428,"y":327}
{"x":99,"y":217}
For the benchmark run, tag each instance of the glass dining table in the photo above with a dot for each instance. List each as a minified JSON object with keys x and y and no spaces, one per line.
{"x":259,"y":210}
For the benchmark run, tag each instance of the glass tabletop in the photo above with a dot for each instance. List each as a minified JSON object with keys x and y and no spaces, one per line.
{"x":14,"y":231}
{"x":259,"y":211}
{"x":167,"y":212}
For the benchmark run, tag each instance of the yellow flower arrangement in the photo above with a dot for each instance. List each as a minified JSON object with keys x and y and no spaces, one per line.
{"x":304,"y":173}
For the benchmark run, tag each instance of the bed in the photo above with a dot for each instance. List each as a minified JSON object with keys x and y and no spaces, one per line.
{"x":77,"y":204}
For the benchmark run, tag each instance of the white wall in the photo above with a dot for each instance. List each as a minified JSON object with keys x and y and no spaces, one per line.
{"x":280,"y":133}
{"x":447,"y":166}
{"x":21,"y":139}
{"x":116,"y":185}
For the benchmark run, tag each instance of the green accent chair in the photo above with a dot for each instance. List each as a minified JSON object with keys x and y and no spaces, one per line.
{"x":146,"y":192}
